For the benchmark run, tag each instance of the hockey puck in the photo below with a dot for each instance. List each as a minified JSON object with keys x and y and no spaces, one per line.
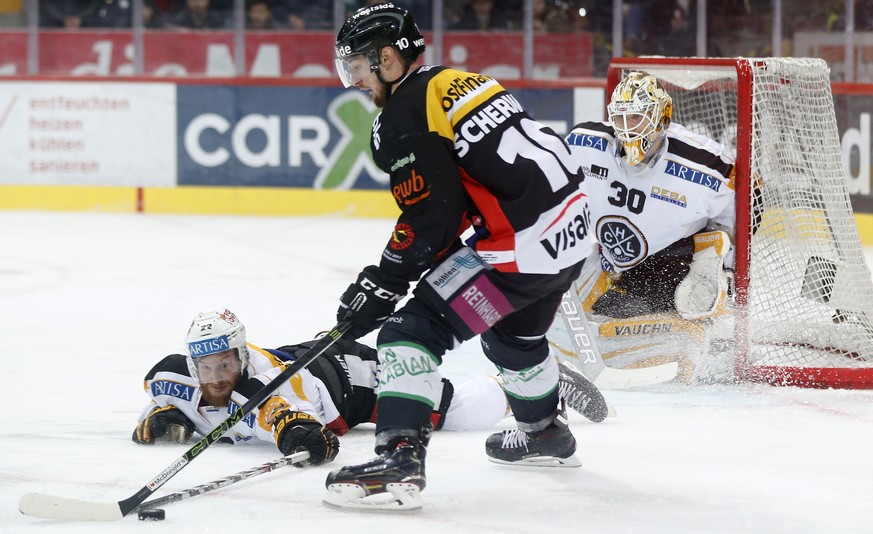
{"x":151,"y":515}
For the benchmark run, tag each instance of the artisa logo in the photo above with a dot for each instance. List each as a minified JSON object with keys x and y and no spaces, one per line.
{"x":206,"y":347}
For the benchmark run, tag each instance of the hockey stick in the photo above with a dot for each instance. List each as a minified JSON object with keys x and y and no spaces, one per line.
{"x":64,"y":508}
{"x":226,"y":481}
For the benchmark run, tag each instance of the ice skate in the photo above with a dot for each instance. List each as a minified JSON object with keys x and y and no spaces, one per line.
{"x":552,"y":447}
{"x":581,"y":394}
{"x":391,"y":481}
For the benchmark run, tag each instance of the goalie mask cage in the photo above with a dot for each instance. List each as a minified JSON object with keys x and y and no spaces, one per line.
{"x":804,"y":295}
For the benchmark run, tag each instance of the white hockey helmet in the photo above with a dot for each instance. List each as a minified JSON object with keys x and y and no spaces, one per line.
{"x":640,"y":110}
{"x":211,"y":333}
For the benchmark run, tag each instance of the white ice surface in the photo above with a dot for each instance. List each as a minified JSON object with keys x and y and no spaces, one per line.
{"x":89,"y":302}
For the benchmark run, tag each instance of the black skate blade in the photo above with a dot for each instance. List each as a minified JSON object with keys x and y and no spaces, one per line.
{"x":399,"y":497}
{"x":542,"y":461}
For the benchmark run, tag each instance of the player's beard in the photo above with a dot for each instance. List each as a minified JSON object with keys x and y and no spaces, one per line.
{"x":379,"y":95}
{"x":217,"y":393}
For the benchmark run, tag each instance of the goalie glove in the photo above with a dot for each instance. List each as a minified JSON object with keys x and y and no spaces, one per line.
{"x":705,"y":286}
{"x":370,"y":300}
{"x":298,"y":431}
{"x":167,"y":423}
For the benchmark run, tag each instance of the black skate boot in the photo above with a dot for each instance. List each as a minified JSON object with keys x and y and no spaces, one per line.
{"x":581,"y":394}
{"x":398,"y":471}
{"x":553,"y":446}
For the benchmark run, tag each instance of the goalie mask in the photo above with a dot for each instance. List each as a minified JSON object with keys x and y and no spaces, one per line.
{"x":640,"y":110}
{"x":217,"y":349}
{"x":366,"y":32}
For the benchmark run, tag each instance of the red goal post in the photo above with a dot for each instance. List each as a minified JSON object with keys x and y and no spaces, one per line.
{"x":804,"y":294}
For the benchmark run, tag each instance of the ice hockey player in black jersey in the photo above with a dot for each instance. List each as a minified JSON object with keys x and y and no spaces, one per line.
{"x":464,"y":158}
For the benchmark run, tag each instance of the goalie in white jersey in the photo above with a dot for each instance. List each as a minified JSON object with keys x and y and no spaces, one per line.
{"x":195,"y":392}
{"x":663,"y":205}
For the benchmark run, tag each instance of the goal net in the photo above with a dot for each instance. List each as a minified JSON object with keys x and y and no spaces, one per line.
{"x":804,"y":295}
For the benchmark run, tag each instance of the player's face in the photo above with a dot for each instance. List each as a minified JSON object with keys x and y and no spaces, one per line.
{"x":357,"y":69}
{"x":631,"y":125}
{"x":361,"y":76}
{"x":218,"y":375}
{"x":633,"y":122}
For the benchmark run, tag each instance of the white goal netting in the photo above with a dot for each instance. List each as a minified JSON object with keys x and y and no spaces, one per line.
{"x":808,"y":294}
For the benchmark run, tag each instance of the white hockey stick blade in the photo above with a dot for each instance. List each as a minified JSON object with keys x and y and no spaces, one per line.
{"x":611,"y":378}
{"x":64,"y":508}
{"x":400,"y":497}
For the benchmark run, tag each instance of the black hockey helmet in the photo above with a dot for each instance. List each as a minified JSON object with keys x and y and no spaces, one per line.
{"x":372,"y":28}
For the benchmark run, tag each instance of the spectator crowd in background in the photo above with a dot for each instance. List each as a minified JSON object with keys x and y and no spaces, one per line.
{"x":297,"y":15}
{"x":649,"y":27}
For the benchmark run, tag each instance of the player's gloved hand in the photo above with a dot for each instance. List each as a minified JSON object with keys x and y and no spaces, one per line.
{"x":370,"y":300}
{"x":298,"y":431}
{"x":167,"y":423}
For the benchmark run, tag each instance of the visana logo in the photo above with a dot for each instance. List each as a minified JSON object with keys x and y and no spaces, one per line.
{"x":568,"y":236}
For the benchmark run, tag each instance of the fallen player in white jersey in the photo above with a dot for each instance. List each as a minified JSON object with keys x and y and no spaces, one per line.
{"x":195,"y":392}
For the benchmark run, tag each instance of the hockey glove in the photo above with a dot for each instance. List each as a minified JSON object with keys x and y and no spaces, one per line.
{"x":370,"y":300}
{"x":167,"y":423}
{"x":298,"y":431}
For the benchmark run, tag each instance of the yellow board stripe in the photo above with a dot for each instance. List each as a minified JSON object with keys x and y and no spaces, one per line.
{"x":201,"y":200}
{"x":230,"y":201}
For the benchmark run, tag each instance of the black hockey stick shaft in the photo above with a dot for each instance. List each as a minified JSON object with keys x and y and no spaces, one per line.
{"x":224,"y":482}
{"x":129,"y":504}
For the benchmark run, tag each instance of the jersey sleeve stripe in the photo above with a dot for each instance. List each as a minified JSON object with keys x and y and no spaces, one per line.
{"x":600,"y":127}
{"x":701,"y":157}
